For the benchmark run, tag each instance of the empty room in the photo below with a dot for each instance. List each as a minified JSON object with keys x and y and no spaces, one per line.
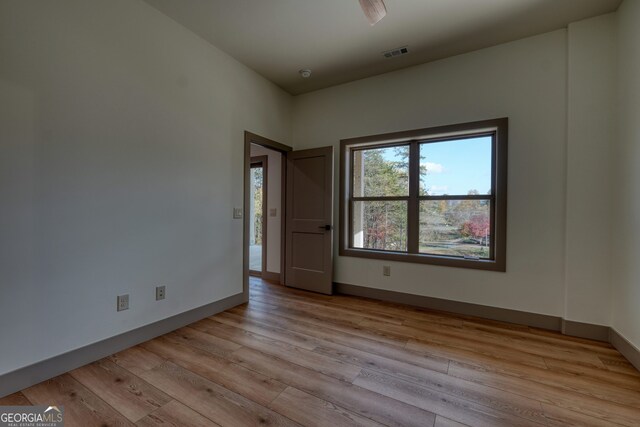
{"x":319,"y":213}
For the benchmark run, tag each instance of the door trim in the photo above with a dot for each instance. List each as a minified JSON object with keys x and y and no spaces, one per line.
{"x":252,"y":138}
{"x":263,"y":161}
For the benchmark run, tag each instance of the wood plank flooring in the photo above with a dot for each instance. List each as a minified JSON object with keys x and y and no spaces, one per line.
{"x":296,"y":358}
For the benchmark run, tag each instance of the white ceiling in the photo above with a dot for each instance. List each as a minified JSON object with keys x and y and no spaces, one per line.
{"x":332,"y":37}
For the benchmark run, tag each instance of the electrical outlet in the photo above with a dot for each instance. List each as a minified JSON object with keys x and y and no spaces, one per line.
{"x":123,"y":302}
{"x":237,"y":213}
{"x":386,"y":270}
{"x":161,"y":292}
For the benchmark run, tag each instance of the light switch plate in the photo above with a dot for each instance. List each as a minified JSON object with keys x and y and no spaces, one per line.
{"x":237,"y":213}
{"x":273,"y":212}
{"x":386,"y":270}
{"x":123,"y":302}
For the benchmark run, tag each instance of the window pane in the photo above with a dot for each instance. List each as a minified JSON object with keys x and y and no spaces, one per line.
{"x":455,"y":227}
{"x":381,"y":172}
{"x":457,"y":167}
{"x":380,"y":225}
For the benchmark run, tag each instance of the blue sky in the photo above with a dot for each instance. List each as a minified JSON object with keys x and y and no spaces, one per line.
{"x":454,"y":167}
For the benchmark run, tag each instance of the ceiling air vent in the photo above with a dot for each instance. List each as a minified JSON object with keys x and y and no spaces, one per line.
{"x":396,"y":52}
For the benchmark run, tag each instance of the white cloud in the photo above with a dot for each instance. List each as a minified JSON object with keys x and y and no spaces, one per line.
{"x":433,"y":167}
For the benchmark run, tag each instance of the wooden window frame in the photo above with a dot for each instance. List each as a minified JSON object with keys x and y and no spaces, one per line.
{"x":496,"y":128}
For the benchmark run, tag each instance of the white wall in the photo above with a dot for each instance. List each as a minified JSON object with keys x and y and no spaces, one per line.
{"x":591,"y":134}
{"x":525,"y":80}
{"x":274,"y":201}
{"x":121,"y":138}
{"x":626,"y":219}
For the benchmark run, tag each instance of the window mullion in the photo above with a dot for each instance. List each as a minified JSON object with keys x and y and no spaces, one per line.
{"x":413,"y":220}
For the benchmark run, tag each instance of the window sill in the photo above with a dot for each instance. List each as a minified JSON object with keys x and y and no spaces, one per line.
{"x":489,"y":265}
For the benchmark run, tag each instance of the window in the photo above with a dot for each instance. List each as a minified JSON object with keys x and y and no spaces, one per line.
{"x":435,"y":196}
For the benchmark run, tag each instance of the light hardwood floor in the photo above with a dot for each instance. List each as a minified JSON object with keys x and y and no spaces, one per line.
{"x":295,"y":358}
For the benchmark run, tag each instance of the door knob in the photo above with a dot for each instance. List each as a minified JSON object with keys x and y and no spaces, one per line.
{"x":326,"y":227}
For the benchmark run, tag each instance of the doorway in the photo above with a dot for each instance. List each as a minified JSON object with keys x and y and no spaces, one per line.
{"x":264,"y":204}
{"x":258,"y":215}
{"x":288,"y":199}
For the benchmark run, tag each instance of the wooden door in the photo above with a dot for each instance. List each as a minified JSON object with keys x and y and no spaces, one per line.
{"x":309,"y":230}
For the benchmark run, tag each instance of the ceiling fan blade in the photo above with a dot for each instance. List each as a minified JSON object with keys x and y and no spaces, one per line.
{"x":374,"y":10}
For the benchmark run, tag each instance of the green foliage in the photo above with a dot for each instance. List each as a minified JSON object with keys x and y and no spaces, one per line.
{"x":385,"y":222}
{"x":384,"y":177}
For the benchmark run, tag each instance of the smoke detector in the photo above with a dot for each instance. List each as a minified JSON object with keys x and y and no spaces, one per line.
{"x":396,"y":52}
{"x":305,"y":73}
